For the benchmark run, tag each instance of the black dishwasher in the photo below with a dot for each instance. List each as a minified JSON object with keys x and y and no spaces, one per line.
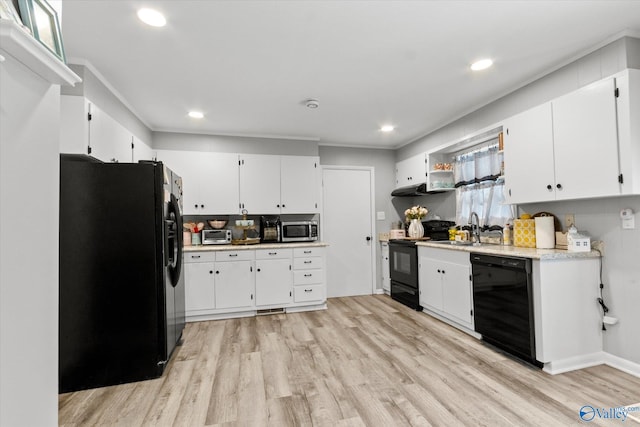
{"x":503,"y":304}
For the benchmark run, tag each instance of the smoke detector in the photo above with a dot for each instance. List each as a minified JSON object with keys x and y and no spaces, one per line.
{"x":312,"y":103}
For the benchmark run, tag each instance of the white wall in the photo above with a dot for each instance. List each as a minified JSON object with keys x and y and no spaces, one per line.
{"x":233,"y":144}
{"x":600,"y":217}
{"x":29,"y":198}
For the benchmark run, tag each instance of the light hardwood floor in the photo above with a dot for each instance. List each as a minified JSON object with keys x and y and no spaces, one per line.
{"x":365,"y":361}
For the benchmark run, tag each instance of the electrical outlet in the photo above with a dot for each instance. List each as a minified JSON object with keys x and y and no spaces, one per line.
{"x":598,"y":245}
{"x":569,"y":220}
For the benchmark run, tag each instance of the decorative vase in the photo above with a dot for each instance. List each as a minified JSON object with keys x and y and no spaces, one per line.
{"x":416,"y":229}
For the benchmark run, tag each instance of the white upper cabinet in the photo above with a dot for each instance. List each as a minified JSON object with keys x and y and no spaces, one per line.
{"x":260,"y":183}
{"x":411,"y":171}
{"x":108,"y":139}
{"x":585,"y":142}
{"x":299,"y":184}
{"x":209,"y":180}
{"x":87,"y":129}
{"x":565,"y":149}
{"x":528,"y":156}
{"x":628,"y":84}
{"x":279,"y":184}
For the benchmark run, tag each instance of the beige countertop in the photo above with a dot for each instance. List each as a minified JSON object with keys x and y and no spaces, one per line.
{"x":200,"y":248}
{"x":533,"y":253}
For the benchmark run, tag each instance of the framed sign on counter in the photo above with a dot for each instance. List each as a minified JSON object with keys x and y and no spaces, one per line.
{"x":42,"y":20}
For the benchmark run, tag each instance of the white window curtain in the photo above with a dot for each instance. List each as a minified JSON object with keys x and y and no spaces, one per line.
{"x":480,"y":187}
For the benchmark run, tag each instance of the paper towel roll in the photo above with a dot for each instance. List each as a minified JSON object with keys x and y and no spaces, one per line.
{"x":545,"y":232}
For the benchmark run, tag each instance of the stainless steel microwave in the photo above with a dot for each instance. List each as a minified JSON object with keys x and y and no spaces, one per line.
{"x":299,"y":231}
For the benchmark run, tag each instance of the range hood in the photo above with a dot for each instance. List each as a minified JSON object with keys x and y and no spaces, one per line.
{"x":410,"y":191}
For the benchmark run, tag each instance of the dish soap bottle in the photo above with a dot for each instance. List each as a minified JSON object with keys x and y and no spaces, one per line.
{"x":506,"y":235}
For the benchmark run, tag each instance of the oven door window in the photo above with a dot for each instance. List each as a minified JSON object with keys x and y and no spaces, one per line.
{"x":403,"y":264}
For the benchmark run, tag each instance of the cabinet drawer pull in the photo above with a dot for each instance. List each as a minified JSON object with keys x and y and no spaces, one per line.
{"x":232,"y":255}
{"x":307,"y":252}
{"x":195,"y":256}
{"x":308,"y":275}
{"x":308,"y":290}
{"x":273,"y":253}
{"x":308,"y":262}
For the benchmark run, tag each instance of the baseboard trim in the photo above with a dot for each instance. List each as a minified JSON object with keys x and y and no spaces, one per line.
{"x":574,"y":363}
{"x":593,"y":359}
{"x":621,"y":364}
{"x":379,"y":291}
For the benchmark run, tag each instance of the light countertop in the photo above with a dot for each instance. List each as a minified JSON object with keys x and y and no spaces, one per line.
{"x":533,"y":253}
{"x":200,"y":248}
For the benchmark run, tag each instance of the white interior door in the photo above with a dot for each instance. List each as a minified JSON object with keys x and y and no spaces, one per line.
{"x":348,"y":229}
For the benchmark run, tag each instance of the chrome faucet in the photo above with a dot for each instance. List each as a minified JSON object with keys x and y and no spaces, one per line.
{"x":475,"y":228}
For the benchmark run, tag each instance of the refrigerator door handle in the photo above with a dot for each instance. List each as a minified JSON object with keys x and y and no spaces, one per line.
{"x":174,"y":247}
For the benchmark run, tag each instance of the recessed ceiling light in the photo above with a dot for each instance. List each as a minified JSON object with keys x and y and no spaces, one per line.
{"x":196,"y":114}
{"x":152,"y":17}
{"x":483,"y":64}
{"x":387,"y":128}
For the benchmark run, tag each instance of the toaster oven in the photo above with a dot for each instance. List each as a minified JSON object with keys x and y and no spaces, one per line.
{"x":216,"y":237}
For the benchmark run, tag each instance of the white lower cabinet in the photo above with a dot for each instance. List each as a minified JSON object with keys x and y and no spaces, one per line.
{"x":386,"y":274}
{"x":225,"y":283}
{"x":273,"y":278}
{"x":199,"y":274}
{"x":444,"y":278}
{"x":308,"y":275}
{"x":235,"y":279}
{"x":568,"y":321}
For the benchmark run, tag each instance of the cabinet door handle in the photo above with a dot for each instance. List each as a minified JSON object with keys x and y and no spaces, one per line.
{"x":438,"y":270}
{"x":210,"y":271}
{"x":442,"y":271}
{"x":283,"y":206}
{"x":202,"y":206}
{"x":217,"y":272}
{"x":549,"y":187}
{"x":195,"y":206}
{"x":257,"y":269}
{"x":277,"y":206}
{"x":559,"y":186}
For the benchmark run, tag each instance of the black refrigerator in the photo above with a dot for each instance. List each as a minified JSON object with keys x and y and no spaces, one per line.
{"x":121,"y":295}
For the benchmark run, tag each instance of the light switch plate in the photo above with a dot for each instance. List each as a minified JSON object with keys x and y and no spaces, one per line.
{"x":381,"y":216}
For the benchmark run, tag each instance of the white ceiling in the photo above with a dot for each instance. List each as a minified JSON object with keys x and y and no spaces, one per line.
{"x":250,"y":65}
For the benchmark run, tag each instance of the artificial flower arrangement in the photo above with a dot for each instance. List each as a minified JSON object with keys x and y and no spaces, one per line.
{"x":416,"y":212}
